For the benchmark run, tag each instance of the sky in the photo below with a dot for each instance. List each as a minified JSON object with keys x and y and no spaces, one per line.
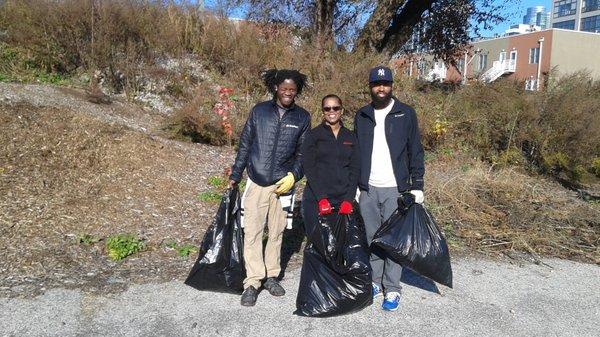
{"x":514,"y":13}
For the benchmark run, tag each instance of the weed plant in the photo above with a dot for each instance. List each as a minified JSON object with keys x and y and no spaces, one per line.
{"x":121,"y":246}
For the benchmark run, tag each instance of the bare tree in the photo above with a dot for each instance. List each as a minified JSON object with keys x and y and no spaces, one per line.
{"x":382,"y":26}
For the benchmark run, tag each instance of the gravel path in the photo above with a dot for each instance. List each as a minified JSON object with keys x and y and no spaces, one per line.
{"x":555,"y":298}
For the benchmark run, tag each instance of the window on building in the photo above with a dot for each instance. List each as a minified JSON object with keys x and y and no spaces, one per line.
{"x":591,"y":24}
{"x":502,"y":56}
{"x":531,"y":84}
{"x":482,"y":62}
{"x":570,"y":24}
{"x":534,"y":55}
{"x":590,"y":5}
{"x":564,"y":8}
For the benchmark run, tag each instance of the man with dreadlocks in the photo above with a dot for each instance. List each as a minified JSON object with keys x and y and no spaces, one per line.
{"x":269,"y":149}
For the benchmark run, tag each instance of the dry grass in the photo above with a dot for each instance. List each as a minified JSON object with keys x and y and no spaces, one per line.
{"x":65,"y":173}
{"x":506,"y":210}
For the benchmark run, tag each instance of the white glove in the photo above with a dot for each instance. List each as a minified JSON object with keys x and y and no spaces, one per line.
{"x":419,"y":197}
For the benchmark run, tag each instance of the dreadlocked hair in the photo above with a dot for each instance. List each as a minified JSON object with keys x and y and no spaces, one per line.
{"x":274,"y":77}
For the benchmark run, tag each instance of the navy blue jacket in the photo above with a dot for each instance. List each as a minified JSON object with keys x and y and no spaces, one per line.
{"x":331,"y":164}
{"x":402,"y":135}
{"x":269,"y":146}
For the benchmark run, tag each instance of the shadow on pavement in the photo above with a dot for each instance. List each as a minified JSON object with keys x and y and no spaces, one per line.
{"x":411,"y":278}
{"x":292,"y":240}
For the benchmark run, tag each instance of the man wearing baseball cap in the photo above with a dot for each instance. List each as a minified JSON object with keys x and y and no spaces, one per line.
{"x":391,"y":164}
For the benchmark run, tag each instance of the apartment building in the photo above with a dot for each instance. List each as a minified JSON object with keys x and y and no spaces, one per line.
{"x":525,"y":57}
{"x":537,"y":16}
{"x":581,"y":15}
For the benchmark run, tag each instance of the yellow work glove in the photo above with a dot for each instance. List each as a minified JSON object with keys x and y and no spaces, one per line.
{"x":285,"y":184}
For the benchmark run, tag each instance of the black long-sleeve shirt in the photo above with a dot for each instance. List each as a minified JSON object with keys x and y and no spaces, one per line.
{"x":331,"y":165}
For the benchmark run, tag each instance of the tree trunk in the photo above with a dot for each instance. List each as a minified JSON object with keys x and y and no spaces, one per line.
{"x":324,"y":10}
{"x":391,"y":25}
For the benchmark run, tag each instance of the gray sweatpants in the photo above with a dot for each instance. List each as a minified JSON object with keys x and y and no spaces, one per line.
{"x":376,"y":206}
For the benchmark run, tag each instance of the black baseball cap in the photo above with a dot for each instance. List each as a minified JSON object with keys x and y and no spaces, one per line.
{"x":380,"y":74}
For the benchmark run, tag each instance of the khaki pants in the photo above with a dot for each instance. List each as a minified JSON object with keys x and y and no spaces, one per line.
{"x":262,"y":203}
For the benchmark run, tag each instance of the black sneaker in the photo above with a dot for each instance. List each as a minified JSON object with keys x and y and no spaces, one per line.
{"x":273,"y":286}
{"x":249,"y":296}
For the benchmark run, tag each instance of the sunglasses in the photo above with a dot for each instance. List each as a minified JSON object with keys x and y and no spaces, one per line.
{"x":330,"y":108}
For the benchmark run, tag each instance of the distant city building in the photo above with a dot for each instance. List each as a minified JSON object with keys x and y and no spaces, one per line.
{"x":583,"y":15}
{"x":521,"y":29}
{"x":537,"y":16}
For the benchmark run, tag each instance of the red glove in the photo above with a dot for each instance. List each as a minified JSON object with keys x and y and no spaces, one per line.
{"x":345,"y":207}
{"x":324,"y":207}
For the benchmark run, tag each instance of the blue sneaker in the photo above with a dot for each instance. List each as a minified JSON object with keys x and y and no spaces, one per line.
{"x":391,"y":301}
{"x":376,"y":292}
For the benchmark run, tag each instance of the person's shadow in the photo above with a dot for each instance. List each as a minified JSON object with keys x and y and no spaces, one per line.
{"x":411,"y":278}
{"x":292,"y":239}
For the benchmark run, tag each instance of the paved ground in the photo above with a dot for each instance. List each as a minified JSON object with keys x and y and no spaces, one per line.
{"x":557,"y":298}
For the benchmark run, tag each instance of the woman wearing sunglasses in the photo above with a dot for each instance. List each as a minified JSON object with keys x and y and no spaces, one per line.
{"x":331,"y":163}
{"x":336,"y":275}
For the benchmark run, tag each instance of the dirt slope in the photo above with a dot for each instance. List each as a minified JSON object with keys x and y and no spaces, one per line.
{"x":70,"y":167}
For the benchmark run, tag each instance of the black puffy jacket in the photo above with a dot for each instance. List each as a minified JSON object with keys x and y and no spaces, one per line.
{"x":404,"y":143}
{"x":269,"y":146}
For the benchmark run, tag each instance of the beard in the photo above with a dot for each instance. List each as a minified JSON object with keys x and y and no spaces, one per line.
{"x":381,"y":102}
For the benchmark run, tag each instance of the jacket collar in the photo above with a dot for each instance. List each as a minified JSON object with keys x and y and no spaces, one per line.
{"x":274,"y":102}
{"x":369,"y":111}
{"x":329,"y":129}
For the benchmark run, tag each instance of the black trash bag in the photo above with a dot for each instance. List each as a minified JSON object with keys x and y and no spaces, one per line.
{"x":220,"y":263}
{"x":336,"y":274}
{"x":413,"y":239}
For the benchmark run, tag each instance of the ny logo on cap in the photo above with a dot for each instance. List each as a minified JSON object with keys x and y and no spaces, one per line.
{"x":381,"y":72}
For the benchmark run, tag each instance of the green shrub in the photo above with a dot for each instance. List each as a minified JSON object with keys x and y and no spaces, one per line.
{"x":182,"y":250}
{"x":186,"y":249}
{"x":122,"y":245}
{"x":87,"y":239}
{"x":210,"y":196}
{"x":578,"y":172}
{"x":596,"y":166}
{"x":557,"y":161}
{"x":217,"y":182}
{"x":510,"y":157}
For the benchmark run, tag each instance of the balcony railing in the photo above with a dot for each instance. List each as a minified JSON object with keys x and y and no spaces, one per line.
{"x":498,"y":69}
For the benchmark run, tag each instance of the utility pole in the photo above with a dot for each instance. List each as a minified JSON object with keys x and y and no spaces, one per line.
{"x":539,"y":68}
